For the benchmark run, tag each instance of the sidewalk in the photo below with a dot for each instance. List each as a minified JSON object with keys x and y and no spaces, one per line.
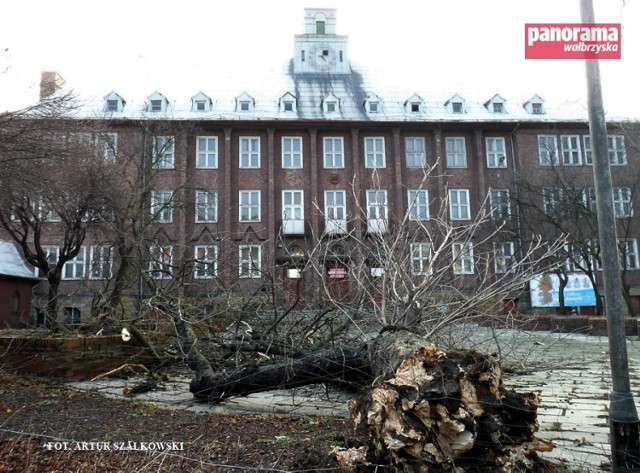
{"x":569,"y":372}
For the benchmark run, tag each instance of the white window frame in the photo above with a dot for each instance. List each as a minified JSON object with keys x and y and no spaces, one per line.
{"x":588,"y":157}
{"x":630,"y":259}
{"x":206,"y":206}
{"x":456,"y":150}
{"x":418,"y":204}
{"x":206,"y":261}
{"x":377,"y":204}
{"x":374,"y":152}
{"x":462,"y":254}
{"x":551,"y":198}
{"x":52,"y":253}
{"x":503,"y":256}
{"x":206,"y":152}
{"x":459,"y":204}
{"x":333,"y":152}
{"x":160,"y":261}
{"x":250,"y":205}
{"x":571,"y":152}
{"x":101,"y":262}
{"x":161,"y":206}
{"x":250,"y":261}
{"x":496,"y":152}
{"x":335,"y":210}
{"x":415,"y":152}
{"x":499,"y":204}
{"x":75,"y":267}
{"x":164,"y":152}
{"x":622,"y":202}
{"x":249,"y":152}
{"x":421,"y":256}
{"x":109,"y":145}
{"x":548,"y":150}
{"x":617,"y":150}
{"x":292,"y":152}
{"x":292,"y":204}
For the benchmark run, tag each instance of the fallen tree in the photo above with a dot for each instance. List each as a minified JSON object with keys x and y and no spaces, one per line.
{"x":421,"y":408}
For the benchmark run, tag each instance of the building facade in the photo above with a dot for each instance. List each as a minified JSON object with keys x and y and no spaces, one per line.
{"x":250,"y":182}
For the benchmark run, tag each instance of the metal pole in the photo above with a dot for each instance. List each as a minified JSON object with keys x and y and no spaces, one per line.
{"x":623,"y":416}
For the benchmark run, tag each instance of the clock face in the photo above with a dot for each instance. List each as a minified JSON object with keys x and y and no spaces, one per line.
{"x":323,"y":56}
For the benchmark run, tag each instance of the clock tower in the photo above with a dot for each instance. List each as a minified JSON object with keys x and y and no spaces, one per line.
{"x":320,"y":50}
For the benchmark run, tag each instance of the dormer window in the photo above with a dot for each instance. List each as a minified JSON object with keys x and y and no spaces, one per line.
{"x":288,"y":103}
{"x":536,"y":108}
{"x":156,"y":102}
{"x":535,"y":105}
{"x":331,"y":107}
{"x":287,"y":106}
{"x":414,"y":104}
{"x":496,"y":104}
{"x":456,"y":107}
{"x":330,"y":104}
{"x":373,"y":104}
{"x":455,"y":104}
{"x":200,"y":103}
{"x":245,"y":103}
{"x":113,"y":103}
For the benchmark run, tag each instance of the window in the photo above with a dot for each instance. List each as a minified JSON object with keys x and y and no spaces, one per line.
{"x":245,"y":106}
{"x":415,"y":152}
{"x":206,"y":206}
{"x":496,"y":154}
{"x":200,"y":105}
{"x":548,"y":150}
{"x":249,"y":152}
{"x":377,"y":211}
{"x":617,"y":151}
{"x":161,"y":208}
{"x":15,"y":302}
{"x":374,"y":107}
{"x":456,"y":107}
{"x":418,"y":204}
{"x":52,"y":253}
{"x":590,"y":199}
{"x":459,"y":204}
{"x":101,"y":262}
{"x":249,"y":206}
{"x":503,"y":256}
{"x":571,"y":154}
{"x":292,"y":153}
{"x":164,"y":152}
{"x":156,"y":105}
{"x":287,"y":106}
{"x":498,"y":107}
{"x":462,"y":258}
{"x":206,"y":266}
{"x":74,"y":268}
{"x":421,"y":258}
{"x":415,"y":107}
{"x":333,"y":153}
{"x":331,"y":107}
{"x":588,"y":159}
{"x":109,"y":145}
{"x":629,"y":254}
{"x":536,"y":108}
{"x":335,"y":211}
{"x":206,"y":152}
{"x":500,"y":204}
{"x":622,"y":202}
{"x":250,"y":261}
{"x":320,"y":27}
{"x":374,"y":153}
{"x":293,"y":212}
{"x":552,"y":201}
{"x":72,"y":314}
{"x":456,"y":153}
{"x":160,"y":258}
{"x":112,"y":105}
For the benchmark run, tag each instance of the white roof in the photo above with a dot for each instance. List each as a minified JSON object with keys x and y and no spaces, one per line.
{"x":11,"y":263}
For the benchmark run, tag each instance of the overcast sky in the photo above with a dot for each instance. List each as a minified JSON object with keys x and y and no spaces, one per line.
{"x":471,"y":47}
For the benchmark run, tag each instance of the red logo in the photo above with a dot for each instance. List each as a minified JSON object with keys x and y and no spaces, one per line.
{"x":572,"y":41}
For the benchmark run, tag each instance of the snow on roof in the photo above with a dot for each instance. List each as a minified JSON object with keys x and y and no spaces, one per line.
{"x":310,"y":89}
{"x":11,"y":263}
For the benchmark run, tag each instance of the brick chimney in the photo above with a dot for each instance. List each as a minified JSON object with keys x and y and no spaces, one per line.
{"x":50,"y":83}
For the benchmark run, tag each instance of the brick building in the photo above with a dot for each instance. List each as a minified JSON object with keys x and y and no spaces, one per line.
{"x":253,"y":174}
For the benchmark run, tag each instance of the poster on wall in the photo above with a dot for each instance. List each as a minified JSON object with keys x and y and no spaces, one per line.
{"x":545,"y":291}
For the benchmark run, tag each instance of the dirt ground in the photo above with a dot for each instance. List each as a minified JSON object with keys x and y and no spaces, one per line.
{"x":47,"y":427}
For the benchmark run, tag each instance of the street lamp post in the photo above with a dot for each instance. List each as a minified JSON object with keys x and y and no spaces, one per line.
{"x":623,"y":417}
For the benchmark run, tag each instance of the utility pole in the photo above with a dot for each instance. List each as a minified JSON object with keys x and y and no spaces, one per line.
{"x":623,"y":416}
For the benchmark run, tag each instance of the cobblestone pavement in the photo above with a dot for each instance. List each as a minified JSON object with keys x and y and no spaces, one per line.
{"x":570,"y":372}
